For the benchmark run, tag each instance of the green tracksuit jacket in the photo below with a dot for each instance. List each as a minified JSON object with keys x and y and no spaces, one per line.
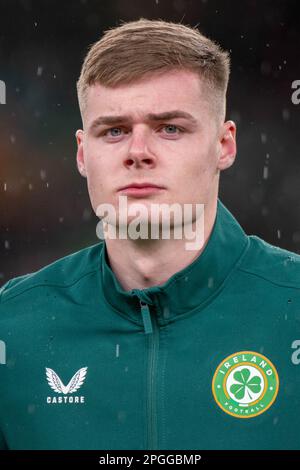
{"x":208,"y":360}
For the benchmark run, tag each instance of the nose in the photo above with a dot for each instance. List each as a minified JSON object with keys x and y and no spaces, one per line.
{"x":139,"y":154}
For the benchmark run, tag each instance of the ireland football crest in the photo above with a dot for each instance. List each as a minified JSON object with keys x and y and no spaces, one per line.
{"x":245,"y":384}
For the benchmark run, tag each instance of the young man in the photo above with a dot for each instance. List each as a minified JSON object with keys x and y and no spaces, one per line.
{"x":141,"y":343}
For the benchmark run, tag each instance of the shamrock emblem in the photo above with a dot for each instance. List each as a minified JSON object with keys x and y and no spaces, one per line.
{"x":244,"y":385}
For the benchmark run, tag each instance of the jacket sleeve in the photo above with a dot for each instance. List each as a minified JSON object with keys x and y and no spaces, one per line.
{"x":3,"y":445}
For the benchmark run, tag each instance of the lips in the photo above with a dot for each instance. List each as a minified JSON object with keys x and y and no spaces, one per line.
{"x":141,"y":190}
{"x":141,"y":185}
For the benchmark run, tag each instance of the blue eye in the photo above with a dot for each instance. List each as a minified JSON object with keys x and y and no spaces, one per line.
{"x":172,"y":127}
{"x":113,"y":134}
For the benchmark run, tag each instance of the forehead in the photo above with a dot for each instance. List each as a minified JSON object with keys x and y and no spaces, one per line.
{"x":152,"y":94}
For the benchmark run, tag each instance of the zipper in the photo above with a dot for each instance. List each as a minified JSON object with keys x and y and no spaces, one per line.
{"x":152,"y":331}
{"x":146,"y":317}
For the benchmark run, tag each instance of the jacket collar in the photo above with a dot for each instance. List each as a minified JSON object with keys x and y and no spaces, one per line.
{"x":191,"y":288}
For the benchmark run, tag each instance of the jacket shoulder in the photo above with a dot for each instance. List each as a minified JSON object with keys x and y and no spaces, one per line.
{"x":272,"y":263}
{"x":62,"y":272}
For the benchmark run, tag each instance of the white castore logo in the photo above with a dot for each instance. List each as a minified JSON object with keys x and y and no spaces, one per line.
{"x":57,"y":385}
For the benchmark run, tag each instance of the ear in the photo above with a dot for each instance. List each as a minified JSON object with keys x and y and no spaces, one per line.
{"x":227,"y":145}
{"x":80,"y":153}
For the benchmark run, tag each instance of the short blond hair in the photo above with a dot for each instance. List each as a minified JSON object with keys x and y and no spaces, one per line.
{"x":126,"y":53}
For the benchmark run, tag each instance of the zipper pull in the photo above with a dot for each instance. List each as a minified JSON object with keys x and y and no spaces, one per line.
{"x":146,"y":317}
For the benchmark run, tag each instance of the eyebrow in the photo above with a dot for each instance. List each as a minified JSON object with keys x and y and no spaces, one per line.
{"x":168,"y":115}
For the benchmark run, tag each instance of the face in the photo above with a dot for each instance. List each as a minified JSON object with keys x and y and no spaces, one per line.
{"x":160,"y":130}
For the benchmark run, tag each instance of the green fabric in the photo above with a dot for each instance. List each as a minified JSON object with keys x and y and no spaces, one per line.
{"x":148,"y":382}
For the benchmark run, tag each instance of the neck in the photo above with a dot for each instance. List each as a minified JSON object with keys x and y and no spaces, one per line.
{"x":139,"y":264}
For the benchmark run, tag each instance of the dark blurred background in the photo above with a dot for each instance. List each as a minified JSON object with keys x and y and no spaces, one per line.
{"x":44,"y":205}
